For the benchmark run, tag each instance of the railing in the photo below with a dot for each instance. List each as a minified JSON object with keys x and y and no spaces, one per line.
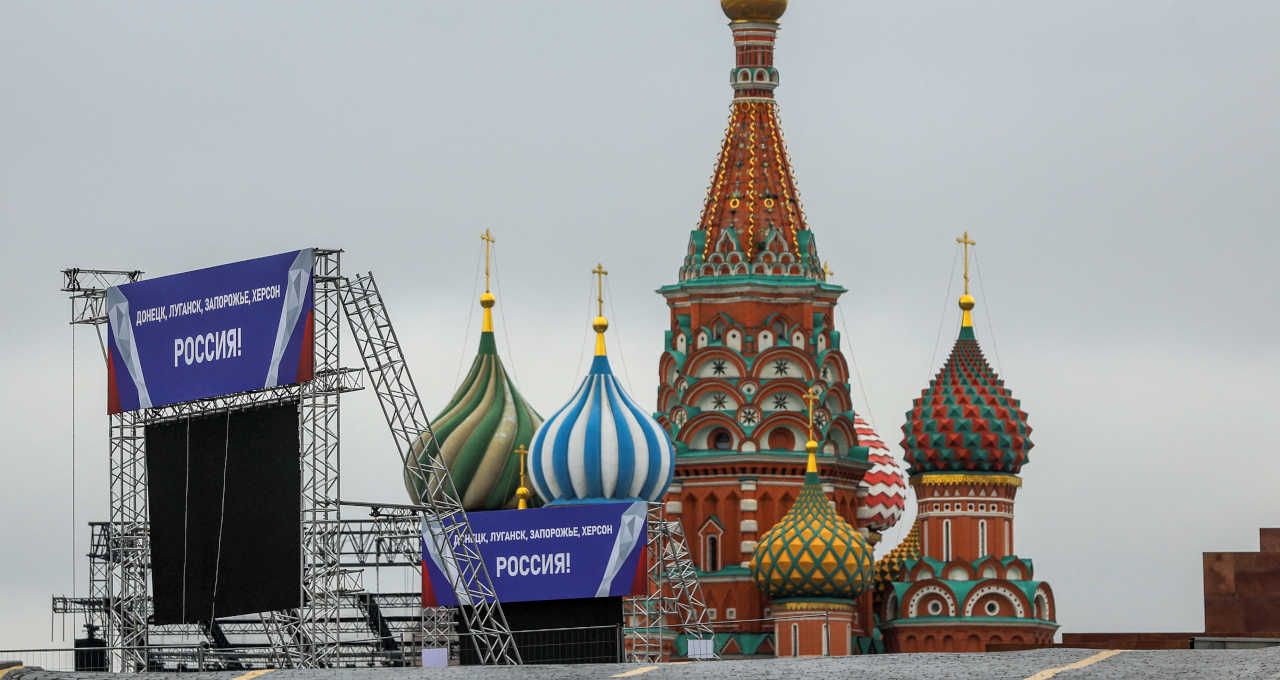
{"x":670,"y":632}
{"x":580,"y":644}
{"x":194,"y":658}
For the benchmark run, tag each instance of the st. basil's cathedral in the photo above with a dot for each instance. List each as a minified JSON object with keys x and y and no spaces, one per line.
{"x":782,"y":487}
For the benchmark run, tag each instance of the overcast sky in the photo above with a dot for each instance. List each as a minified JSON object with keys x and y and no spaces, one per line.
{"x":1115,"y":162}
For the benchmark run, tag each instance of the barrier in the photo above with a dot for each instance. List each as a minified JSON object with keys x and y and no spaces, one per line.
{"x":582,"y":644}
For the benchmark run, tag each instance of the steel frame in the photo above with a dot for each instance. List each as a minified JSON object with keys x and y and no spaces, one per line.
{"x":447,"y":526}
{"x":308,"y":633}
{"x":673,"y":603}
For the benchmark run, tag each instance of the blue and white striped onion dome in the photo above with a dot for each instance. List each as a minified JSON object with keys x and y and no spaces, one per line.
{"x":601,"y":446}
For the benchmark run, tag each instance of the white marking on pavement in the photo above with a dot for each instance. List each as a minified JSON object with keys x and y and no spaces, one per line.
{"x":637,"y":671}
{"x":1100,"y":656}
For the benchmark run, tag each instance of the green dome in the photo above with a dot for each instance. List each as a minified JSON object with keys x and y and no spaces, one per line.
{"x":812,"y":552}
{"x":479,"y":431}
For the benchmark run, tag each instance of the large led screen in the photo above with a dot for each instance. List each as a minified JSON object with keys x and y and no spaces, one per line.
{"x":224,"y":494}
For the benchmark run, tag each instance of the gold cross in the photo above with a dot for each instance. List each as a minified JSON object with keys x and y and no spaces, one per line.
{"x":600,"y":274}
{"x":811,"y":397}
{"x":488,"y":240}
{"x":965,"y":240}
{"x":826,"y":271}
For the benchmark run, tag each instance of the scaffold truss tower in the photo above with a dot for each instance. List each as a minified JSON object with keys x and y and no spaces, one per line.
{"x":673,"y":602}
{"x":446,"y":522}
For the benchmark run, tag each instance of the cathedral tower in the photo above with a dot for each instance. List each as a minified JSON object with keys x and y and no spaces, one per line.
{"x":751,"y":333}
{"x":962,"y":587}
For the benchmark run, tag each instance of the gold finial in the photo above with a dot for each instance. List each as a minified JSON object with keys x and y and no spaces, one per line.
{"x":600,"y":324}
{"x":826,"y":271}
{"x":811,"y":397}
{"x":486,"y":299}
{"x":753,"y":10}
{"x":966,"y":300}
{"x":522,"y":493}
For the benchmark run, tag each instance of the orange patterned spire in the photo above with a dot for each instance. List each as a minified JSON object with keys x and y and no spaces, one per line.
{"x":752,"y":221}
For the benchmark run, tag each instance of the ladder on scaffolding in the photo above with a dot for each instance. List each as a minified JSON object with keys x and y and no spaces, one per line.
{"x":448,"y":528}
{"x":673,"y":602}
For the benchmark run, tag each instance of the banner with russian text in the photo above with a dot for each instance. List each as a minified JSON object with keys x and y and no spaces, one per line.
{"x":210,"y":332}
{"x":552,"y":553}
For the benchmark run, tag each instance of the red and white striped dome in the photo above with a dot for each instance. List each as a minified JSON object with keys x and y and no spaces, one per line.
{"x":882,"y":493}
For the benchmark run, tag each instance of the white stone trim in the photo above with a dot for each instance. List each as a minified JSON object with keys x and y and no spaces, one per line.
{"x":976,"y":595}
{"x":1043,"y":596}
{"x":913,"y":606}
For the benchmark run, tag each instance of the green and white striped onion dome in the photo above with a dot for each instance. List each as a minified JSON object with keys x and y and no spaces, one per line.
{"x":479,"y":432}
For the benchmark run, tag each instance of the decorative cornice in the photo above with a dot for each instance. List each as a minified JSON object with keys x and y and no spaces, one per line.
{"x":941,"y":621}
{"x":957,"y":479}
{"x":831,"y":604}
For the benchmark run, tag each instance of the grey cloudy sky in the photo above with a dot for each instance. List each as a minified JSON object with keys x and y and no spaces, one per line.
{"x":1115,"y":161}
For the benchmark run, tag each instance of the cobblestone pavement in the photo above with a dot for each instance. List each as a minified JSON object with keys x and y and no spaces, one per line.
{"x":1039,"y":664}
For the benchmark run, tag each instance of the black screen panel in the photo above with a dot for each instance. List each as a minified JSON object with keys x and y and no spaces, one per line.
{"x":257,"y":518}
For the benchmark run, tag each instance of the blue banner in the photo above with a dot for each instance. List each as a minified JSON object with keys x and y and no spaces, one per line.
{"x":554,"y":553}
{"x":210,"y":332}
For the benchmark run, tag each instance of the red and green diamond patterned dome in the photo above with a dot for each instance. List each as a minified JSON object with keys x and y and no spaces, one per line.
{"x":966,"y":420}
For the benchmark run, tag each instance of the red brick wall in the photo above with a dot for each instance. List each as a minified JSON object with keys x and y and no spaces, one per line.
{"x":1128,"y":640}
{"x":1242,"y":590}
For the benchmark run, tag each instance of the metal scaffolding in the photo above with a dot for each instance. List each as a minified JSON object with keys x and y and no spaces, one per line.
{"x":673,"y":602}
{"x":447,"y":526}
{"x":313,"y":635}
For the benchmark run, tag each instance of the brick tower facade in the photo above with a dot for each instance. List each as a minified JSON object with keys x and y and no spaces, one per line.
{"x":751,"y":333}
{"x":962,"y":587}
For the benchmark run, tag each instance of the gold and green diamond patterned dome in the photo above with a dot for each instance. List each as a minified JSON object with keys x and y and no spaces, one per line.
{"x":812,"y":552}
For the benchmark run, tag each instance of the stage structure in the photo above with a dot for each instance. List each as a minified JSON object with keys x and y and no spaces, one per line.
{"x":311,"y":635}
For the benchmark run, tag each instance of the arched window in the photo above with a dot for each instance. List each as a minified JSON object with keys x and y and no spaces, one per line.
{"x":795,"y":639}
{"x":721,"y":440}
{"x":982,"y":538}
{"x":1008,"y":538}
{"x":711,"y":553}
{"x":826,"y":639}
{"x":946,"y":540}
